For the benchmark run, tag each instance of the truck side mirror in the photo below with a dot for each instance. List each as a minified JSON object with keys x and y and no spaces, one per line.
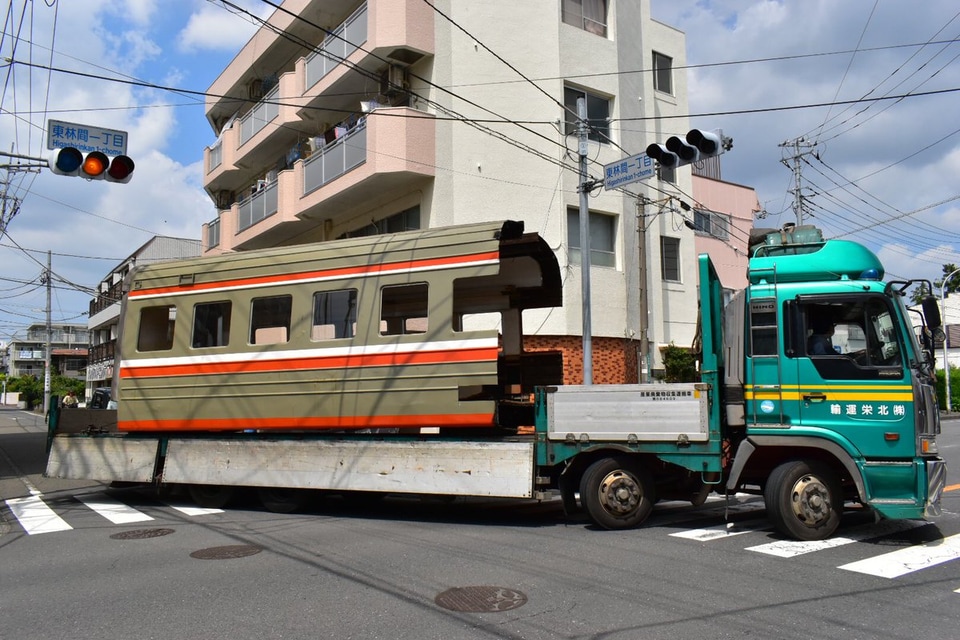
{"x":931,"y":312}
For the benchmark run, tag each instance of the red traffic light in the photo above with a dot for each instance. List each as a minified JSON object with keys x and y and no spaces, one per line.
{"x":121,"y":169}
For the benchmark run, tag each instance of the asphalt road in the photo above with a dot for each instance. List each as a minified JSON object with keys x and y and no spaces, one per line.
{"x":406,"y":568}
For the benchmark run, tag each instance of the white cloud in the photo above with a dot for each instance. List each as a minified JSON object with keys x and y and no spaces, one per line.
{"x":212,"y":27}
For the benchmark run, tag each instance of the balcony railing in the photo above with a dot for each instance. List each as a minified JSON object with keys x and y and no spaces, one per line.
{"x":216,"y":156}
{"x":337,"y":46}
{"x":101,"y":352}
{"x":261,"y":114}
{"x":257,"y":207}
{"x":213,"y":233}
{"x":114,"y":294}
{"x":335,"y":159}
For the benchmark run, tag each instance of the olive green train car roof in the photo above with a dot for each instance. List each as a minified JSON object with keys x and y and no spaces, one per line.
{"x":498,"y":240}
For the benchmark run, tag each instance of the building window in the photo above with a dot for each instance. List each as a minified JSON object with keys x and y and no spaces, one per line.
{"x":408,"y":220}
{"x":598,"y":114}
{"x":711,"y":223}
{"x":662,"y":73}
{"x":603,"y":236}
{"x":589,"y":15}
{"x":670,"y":258}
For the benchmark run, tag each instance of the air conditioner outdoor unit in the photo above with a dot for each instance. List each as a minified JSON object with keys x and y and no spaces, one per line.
{"x":224,"y":199}
{"x":255,"y":89}
{"x":393,"y":80}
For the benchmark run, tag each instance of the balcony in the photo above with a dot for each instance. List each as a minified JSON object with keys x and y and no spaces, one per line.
{"x":399,"y":31}
{"x":337,"y":47}
{"x":387,"y":154}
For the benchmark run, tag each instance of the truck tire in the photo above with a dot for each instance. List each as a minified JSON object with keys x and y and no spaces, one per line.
{"x":803,"y":500}
{"x":617,"y":493}
{"x":210,"y":496}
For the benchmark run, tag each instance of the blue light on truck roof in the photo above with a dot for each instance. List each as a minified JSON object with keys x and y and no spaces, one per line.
{"x":870,"y":274}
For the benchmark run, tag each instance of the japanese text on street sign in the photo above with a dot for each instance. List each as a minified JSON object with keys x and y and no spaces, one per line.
{"x":86,"y":138}
{"x":627,"y":170}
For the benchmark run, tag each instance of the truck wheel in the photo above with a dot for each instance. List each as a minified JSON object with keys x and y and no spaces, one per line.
{"x":210,"y":496}
{"x":616,"y":493}
{"x":280,"y":500}
{"x":803,"y":500}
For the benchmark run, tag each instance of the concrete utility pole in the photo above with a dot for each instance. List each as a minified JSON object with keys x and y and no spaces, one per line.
{"x":797,"y":168}
{"x":584,"y":189}
{"x":46,"y":351}
{"x":946,"y":358}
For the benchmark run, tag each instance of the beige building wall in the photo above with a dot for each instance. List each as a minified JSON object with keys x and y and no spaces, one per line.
{"x":434,"y":122}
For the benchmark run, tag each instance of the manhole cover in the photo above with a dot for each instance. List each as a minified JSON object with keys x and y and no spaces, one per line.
{"x":481,"y":599}
{"x":226,"y":552}
{"x":141,"y":534}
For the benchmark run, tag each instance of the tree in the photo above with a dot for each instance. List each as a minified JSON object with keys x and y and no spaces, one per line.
{"x":953,"y":285}
{"x":679,"y":364}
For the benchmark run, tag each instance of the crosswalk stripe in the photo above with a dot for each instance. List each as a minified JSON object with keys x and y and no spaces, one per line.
{"x":113,"y":510}
{"x":793,"y":548}
{"x":904,"y":561}
{"x":35,"y":516}
{"x":721,"y":530}
{"x":194,"y":511}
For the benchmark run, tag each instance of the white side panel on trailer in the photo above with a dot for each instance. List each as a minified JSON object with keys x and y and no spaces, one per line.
{"x":629,"y":412}
{"x":492,"y":469}
{"x":107,"y":459}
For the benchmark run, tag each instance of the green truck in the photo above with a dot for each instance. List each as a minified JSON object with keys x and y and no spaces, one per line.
{"x":397,"y":364}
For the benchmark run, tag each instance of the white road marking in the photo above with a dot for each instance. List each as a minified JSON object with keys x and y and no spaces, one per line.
{"x":35,"y":516}
{"x":194,"y":511}
{"x":792,"y":548}
{"x":904,"y":561}
{"x":113,"y":510}
{"x":721,"y":531}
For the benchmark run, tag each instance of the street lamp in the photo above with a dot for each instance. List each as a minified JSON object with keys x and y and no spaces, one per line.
{"x":946,"y":361}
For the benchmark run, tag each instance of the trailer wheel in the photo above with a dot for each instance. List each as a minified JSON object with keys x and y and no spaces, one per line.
{"x":281,"y":500}
{"x":210,"y":496}
{"x":803,"y":500}
{"x":616,"y":493}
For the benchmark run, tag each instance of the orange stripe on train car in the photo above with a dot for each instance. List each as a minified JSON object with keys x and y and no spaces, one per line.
{"x":300,"y":364}
{"x":405,"y":265}
{"x":300,"y":423}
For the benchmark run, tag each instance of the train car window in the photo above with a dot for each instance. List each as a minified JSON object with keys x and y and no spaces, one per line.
{"x":334,"y":314}
{"x":270,"y":320}
{"x":156,"y":328}
{"x":403,"y":309}
{"x":211,"y":324}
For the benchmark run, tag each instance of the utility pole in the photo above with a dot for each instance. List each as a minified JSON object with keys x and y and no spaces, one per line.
{"x":47,"y":359}
{"x":643,"y":363}
{"x":801,"y":148}
{"x":584,"y":189}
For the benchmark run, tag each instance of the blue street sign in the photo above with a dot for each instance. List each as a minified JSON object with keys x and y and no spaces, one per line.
{"x":631,"y":169}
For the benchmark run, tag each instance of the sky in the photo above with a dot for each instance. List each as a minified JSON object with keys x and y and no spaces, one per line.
{"x":871,"y":89}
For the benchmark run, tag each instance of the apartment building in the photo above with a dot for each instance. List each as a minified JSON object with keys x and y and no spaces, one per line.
{"x":68,"y":351}
{"x":351,"y":117}
{"x":104,"y":318}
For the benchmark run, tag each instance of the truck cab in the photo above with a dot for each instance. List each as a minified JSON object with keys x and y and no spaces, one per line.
{"x":838,"y":401}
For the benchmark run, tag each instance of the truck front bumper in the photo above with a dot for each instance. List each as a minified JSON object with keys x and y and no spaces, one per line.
{"x":936,"y":481}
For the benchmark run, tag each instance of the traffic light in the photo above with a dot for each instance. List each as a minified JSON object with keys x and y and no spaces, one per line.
{"x":697,"y":146}
{"x":70,"y":161}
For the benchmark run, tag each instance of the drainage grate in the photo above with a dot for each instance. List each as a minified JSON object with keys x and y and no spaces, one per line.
{"x":481,"y":599}
{"x":226,"y":552}
{"x":141,"y":534}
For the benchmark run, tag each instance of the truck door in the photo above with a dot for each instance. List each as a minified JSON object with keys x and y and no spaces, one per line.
{"x":851,"y":377}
